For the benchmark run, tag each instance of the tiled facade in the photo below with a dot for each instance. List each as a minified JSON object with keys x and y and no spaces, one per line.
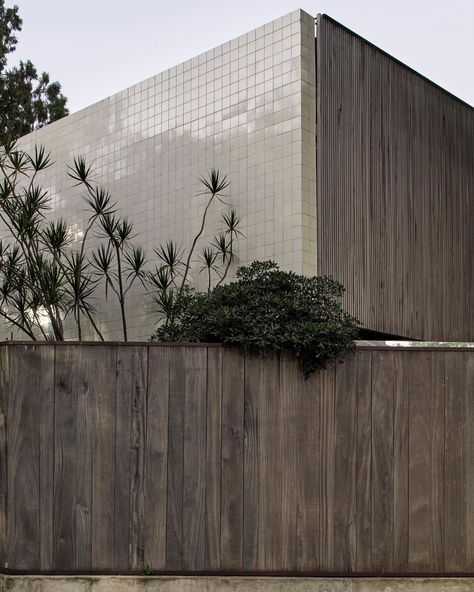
{"x":247,"y":108}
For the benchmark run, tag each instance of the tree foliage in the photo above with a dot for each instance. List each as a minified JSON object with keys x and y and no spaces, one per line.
{"x":266,"y":308}
{"x":28,"y":99}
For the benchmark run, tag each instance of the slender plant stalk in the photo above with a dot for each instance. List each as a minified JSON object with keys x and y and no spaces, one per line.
{"x":193,"y":246}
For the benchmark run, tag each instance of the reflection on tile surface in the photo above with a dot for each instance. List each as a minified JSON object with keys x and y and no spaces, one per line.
{"x":246,"y":107}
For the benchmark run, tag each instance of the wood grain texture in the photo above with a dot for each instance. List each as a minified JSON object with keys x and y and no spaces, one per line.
{"x":138,"y":439}
{"x":345,"y":467}
{"x":123,"y":458}
{"x":455,"y":494}
{"x":195,"y":459}
{"x":289,"y":395}
{"x":157,"y":458}
{"x":419,"y":463}
{"x":174,"y":508}
{"x":270,"y":489}
{"x":46,"y":365}
{"x":382,"y":461}
{"x":72,"y":495}
{"x":30,"y":468}
{"x":327,"y":381}
{"x":309,"y":542}
{"x":403,"y":398}
{"x":252,"y":546}
{"x":437,"y":460}
{"x":217,"y":461}
{"x":104,"y":402}
{"x":364,"y":462}
{"x":232,"y":486}
{"x":214,"y":459}
{"x":4,"y":391}
{"x":395,"y":176}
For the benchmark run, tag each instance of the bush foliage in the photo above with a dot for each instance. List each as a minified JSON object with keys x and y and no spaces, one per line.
{"x":268,"y":309}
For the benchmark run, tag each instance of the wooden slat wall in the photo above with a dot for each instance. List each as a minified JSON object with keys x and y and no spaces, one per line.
{"x":205,"y":459}
{"x":395,"y":191}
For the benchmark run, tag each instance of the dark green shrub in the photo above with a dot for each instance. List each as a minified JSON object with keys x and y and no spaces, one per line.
{"x":266,"y":308}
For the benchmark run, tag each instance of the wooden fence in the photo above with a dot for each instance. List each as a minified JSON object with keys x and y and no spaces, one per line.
{"x":202,"y":459}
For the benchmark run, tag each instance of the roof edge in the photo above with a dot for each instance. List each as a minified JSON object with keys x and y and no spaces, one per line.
{"x":391,"y":57}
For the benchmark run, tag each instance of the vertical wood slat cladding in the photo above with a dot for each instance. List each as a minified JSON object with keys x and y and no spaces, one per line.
{"x":395,"y":193}
{"x":204,"y":459}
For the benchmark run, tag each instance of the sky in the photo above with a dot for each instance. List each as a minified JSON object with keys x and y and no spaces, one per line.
{"x":96,"y":48}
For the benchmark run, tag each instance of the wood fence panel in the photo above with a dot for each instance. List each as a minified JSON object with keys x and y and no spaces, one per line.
{"x":345,"y":467}
{"x":123,"y":443}
{"x":327,"y":467}
{"x":74,"y":378}
{"x":252,"y":543}
{"x":138,"y":439}
{"x":468,"y":364}
{"x":213,"y":459}
{"x":4,"y":395}
{"x":455,"y":428}
{"x":45,"y":366}
{"x":205,"y":459}
{"x":383,"y":369}
{"x":364,"y":462}
{"x":437,"y":516}
{"x":157,"y":457}
{"x":309,"y":466}
{"x":270,"y":499}
{"x":103,"y":400}
{"x":29,"y":460}
{"x":232,"y":498}
{"x":401,"y":461}
{"x":174,"y":512}
{"x":194,"y":461}
{"x":289,"y":402}
{"x":419,"y":463}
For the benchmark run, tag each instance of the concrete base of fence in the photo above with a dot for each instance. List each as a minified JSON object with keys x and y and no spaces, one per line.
{"x":229,"y":584}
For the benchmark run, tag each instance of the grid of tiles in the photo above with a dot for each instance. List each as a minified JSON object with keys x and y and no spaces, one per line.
{"x":247,"y":108}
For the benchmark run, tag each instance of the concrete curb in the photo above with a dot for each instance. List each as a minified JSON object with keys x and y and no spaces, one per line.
{"x":229,"y":584}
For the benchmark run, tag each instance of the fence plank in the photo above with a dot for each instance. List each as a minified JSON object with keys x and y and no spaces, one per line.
{"x":23,"y":463}
{"x":364,"y":461}
{"x":468,"y":518}
{"x":103,"y":401}
{"x":232,"y":460}
{"x":419,"y":374}
{"x":123,"y":448}
{"x":74,"y":374}
{"x":157,"y":457}
{"x":220,"y":462}
{"x":437,"y":525}
{"x":455,"y":419}
{"x":345,"y":477}
{"x":4,"y":395}
{"x":213,"y":466}
{"x":402,"y":398}
{"x":308,"y":416}
{"x":194,"y":462}
{"x":382,"y":461}
{"x":46,"y":387}
{"x":252,"y":559}
{"x":290,"y":375}
{"x":174,"y":511}
{"x":327,"y":440}
{"x":139,"y":373}
{"x":29,"y":466}
{"x":270,"y":500}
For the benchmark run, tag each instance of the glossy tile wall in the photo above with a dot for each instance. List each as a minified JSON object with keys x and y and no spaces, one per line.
{"x":246,"y":107}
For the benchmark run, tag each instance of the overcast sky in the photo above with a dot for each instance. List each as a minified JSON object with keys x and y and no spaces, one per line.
{"x":98,"y":47}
